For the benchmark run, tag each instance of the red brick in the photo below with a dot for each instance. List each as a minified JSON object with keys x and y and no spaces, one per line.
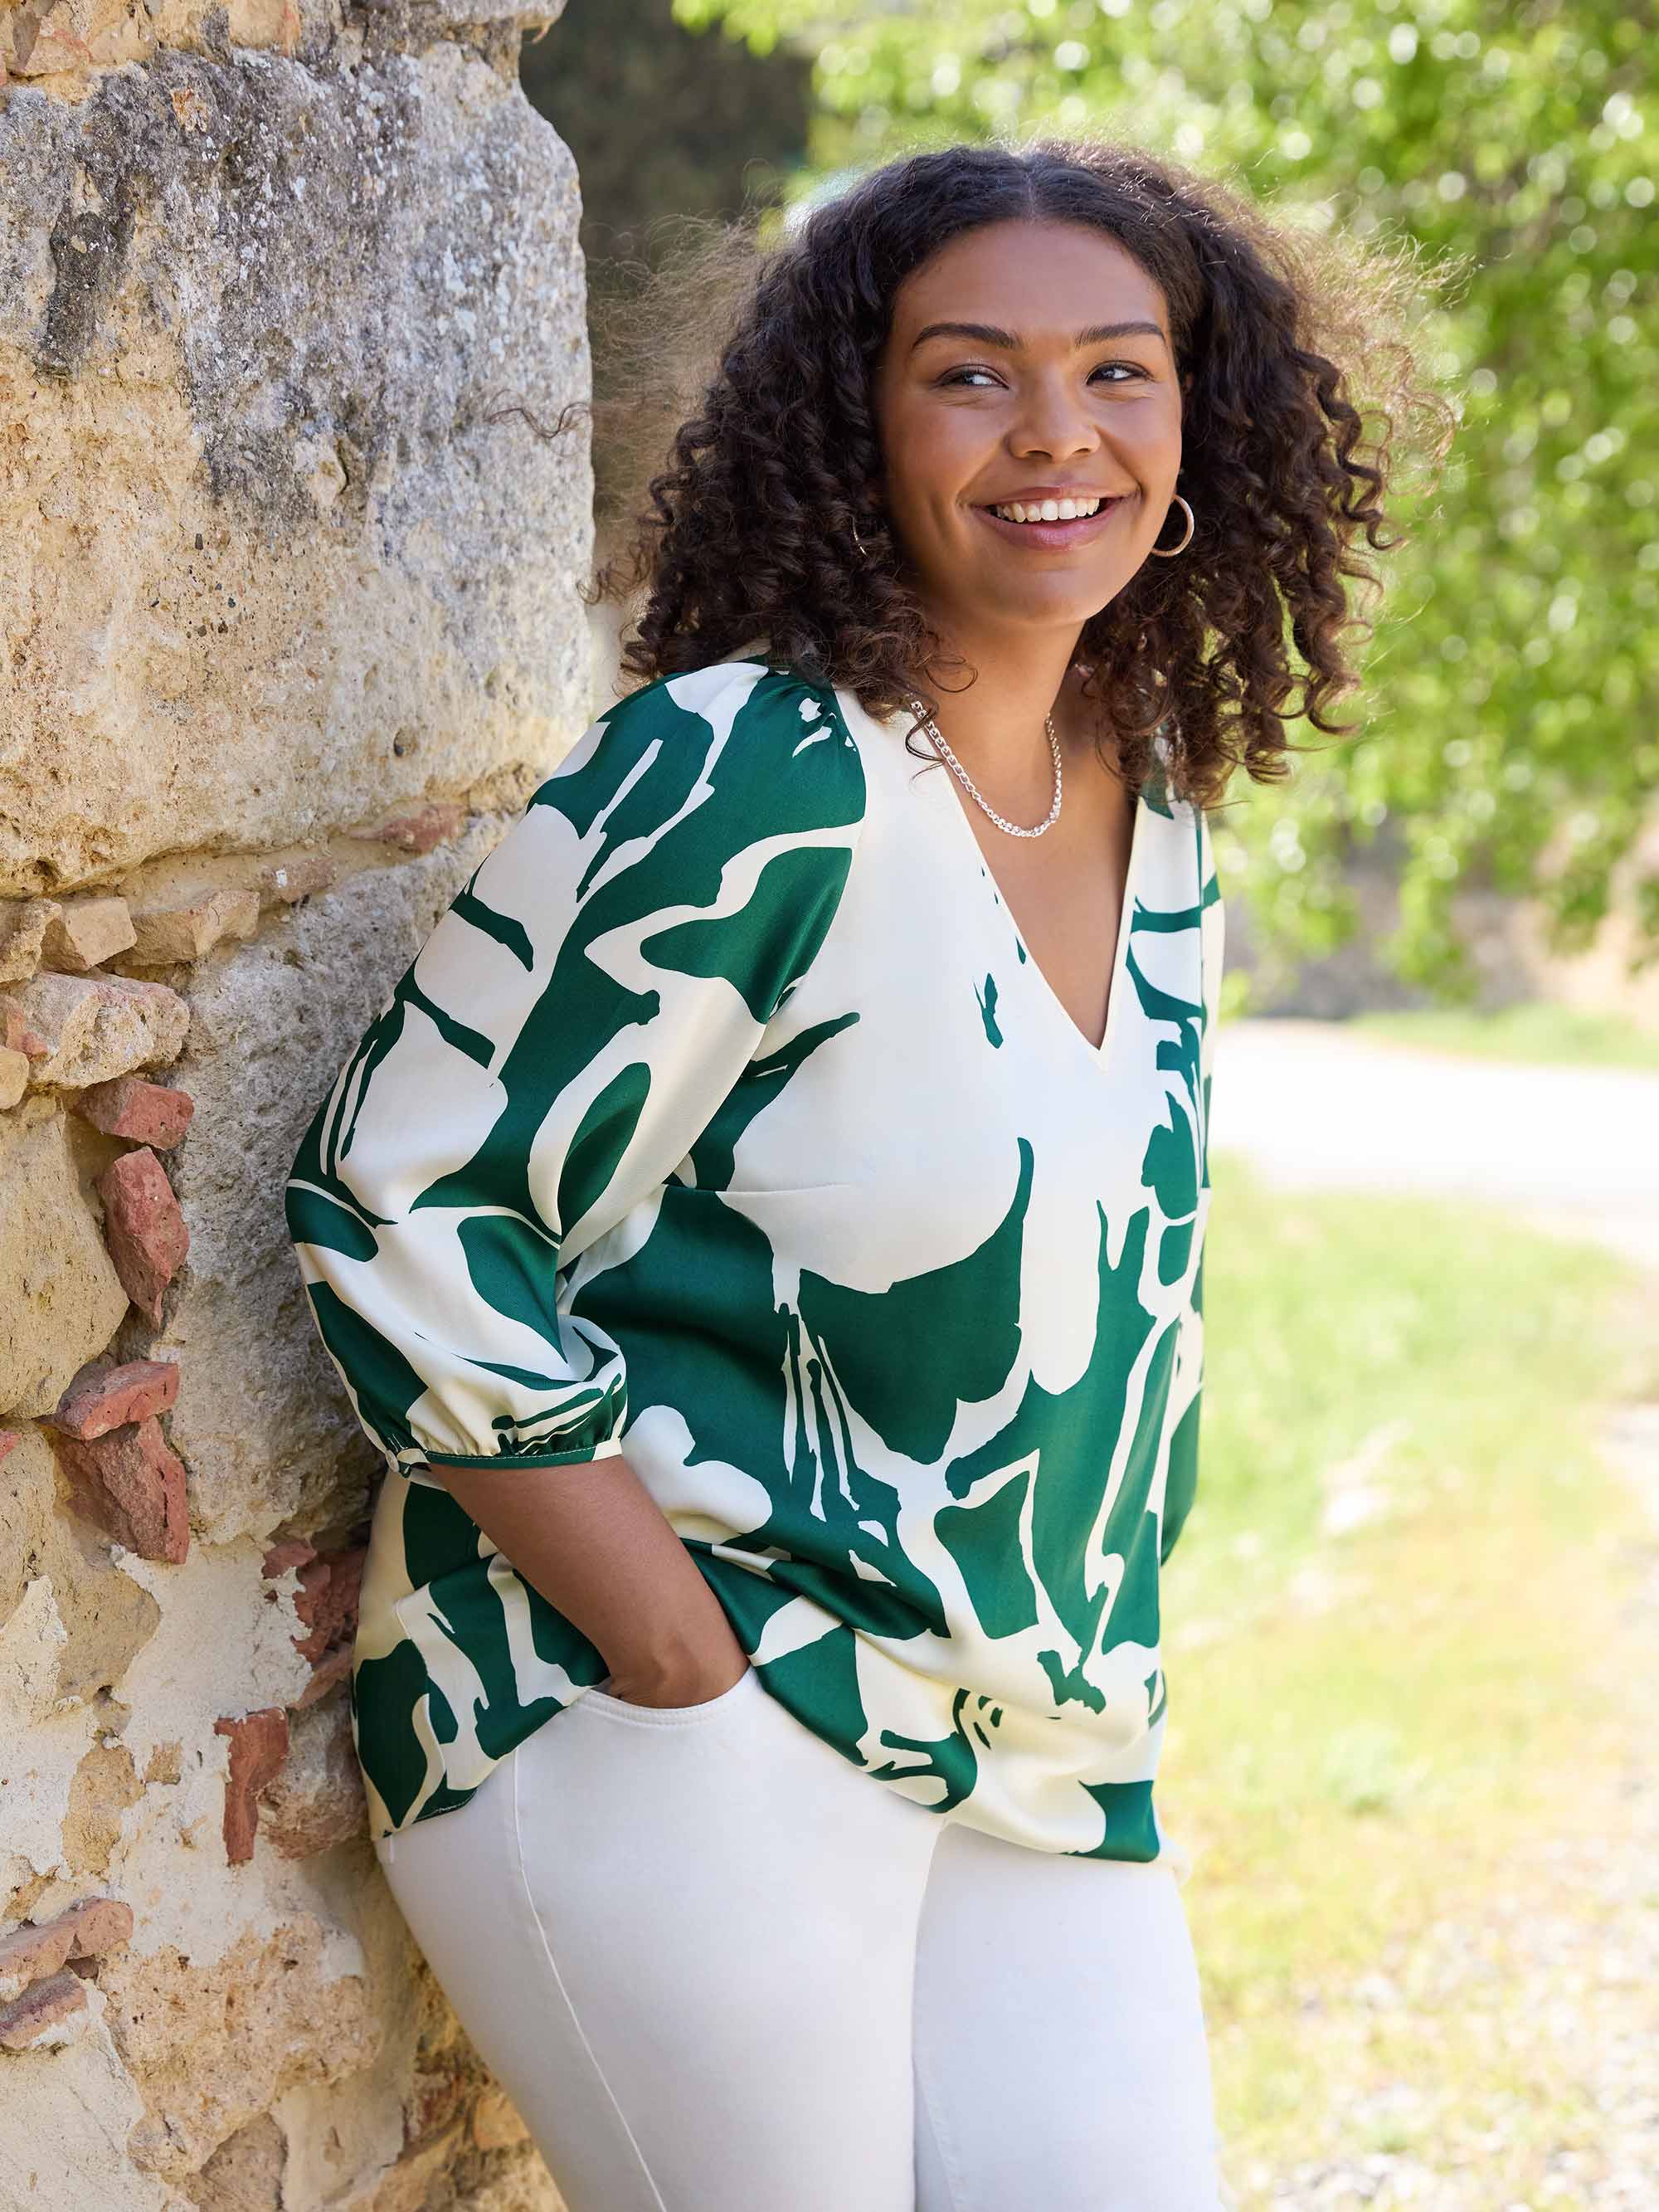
{"x":131,"y":1484}
{"x":333,"y":1667}
{"x":417,"y":832}
{"x":101,"y":1398}
{"x":18,"y":1033}
{"x":9,"y":1441}
{"x":258,"y":1744}
{"x":86,"y":1931}
{"x":291,"y":1552}
{"x":331,"y":1584}
{"x":144,"y":1228}
{"x":144,"y":1113}
{"x":326,"y":1601}
{"x":43,"y":2014}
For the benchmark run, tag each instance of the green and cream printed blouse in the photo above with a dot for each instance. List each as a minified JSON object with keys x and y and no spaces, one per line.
{"x":725,"y":1120}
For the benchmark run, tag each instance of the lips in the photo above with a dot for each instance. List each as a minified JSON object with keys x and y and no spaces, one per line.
{"x":1053,"y":537}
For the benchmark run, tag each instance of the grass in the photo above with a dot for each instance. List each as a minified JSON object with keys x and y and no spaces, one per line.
{"x":1392,"y":1629}
{"x":1563,"y":1036}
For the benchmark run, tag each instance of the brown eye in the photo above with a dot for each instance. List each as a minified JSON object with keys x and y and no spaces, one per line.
{"x":1132,"y":371}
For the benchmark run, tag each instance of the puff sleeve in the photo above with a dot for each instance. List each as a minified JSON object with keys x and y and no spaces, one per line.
{"x":566,"y":1033}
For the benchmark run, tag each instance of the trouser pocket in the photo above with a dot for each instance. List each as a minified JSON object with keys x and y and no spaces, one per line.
{"x":602,"y":1701}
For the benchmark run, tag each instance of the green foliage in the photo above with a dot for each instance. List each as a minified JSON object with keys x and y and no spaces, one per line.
{"x":724,"y":124}
{"x":1508,"y":721}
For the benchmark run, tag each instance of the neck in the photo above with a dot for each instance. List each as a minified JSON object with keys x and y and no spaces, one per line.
{"x":995,"y":724}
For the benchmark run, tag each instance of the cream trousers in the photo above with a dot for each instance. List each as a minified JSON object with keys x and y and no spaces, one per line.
{"x":717,"y":1969}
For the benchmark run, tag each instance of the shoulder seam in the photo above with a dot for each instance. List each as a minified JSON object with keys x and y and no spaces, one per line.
{"x":825,"y":693}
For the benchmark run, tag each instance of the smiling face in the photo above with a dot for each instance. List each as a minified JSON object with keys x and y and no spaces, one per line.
{"x":971,"y":419}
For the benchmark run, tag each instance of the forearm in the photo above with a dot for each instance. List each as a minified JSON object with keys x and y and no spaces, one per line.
{"x":591,"y":1538}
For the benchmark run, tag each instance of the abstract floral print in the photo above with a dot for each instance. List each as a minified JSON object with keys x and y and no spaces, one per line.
{"x":726,"y":1119}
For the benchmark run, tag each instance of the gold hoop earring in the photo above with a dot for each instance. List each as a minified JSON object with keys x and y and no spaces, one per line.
{"x":1169,"y":552}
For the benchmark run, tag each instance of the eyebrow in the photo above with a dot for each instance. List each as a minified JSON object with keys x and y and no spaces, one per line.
{"x":993,"y":334}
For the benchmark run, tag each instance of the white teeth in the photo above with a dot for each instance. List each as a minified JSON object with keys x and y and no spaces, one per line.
{"x":1048,"y":510}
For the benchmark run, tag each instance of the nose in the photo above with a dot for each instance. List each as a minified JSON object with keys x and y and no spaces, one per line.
{"x":1053,"y":422}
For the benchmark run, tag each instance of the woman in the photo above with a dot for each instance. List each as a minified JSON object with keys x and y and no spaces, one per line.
{"x":764,"y":1231}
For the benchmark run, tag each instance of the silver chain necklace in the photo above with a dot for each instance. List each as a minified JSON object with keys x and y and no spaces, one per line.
{"x":1002,"y":822}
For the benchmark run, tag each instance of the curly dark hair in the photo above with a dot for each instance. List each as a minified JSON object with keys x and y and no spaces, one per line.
{"x":1299,"y":375}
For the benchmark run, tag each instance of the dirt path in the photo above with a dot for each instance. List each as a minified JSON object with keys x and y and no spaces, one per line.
{"x":1319,"y":1105}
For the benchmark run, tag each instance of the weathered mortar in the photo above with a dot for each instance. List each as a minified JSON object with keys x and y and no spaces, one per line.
{"x":290,"y":631}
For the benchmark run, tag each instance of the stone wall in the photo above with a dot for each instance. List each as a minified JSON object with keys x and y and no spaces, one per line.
{"x":290,"y":631}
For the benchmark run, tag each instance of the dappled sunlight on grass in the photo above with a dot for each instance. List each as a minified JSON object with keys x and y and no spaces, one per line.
{"x":1375,"y":1714}
{"x":1565,"y":1035}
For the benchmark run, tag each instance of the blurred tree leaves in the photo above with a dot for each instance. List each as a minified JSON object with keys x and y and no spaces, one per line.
{"x":663,"y":119}
{"x":664,"y":123}
{"x":1508,"y":715}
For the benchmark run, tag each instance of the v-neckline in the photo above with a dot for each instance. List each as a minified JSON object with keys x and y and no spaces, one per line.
{"x":959,"y":803}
